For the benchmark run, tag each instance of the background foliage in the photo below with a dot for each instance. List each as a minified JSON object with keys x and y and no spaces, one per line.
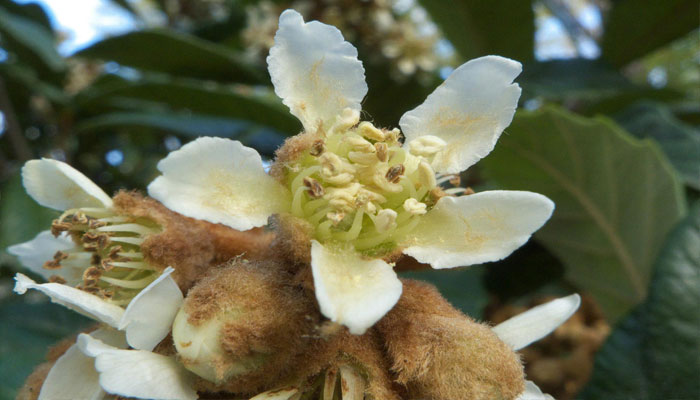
{"x":613,"y":140}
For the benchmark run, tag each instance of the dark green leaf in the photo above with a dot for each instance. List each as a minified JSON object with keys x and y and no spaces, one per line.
{"x":679,"y":141}
{"x":32,"y":11}
{"x":478,"y":28}
{"x":22,"y":218}
{"x":30,"y":324}
{"x":174,"y":53}
{"x":209,"y":100}
{"x":655,"y":352}
{"x":183,"y":124}
{"x":636,"y":27}
{"x":32,"y":42}
{"x":461,"y":287}
{"x":616,"y":197}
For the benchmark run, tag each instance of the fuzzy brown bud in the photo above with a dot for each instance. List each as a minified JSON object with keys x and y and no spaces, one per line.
{"x":441,"y":354}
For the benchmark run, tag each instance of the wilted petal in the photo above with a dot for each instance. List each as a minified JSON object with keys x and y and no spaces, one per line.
{"x":532,"y":392}
{"x":75,"y":299}
{"x":352,"y":385}
{"x":468,"y":111}
{"x":34,"y":253}
{"x":73,"y":376}
{"x":277,"y":394}
{"x":138,"y":373}
{"x":150,"y":314}
{"x":59,"y":186}
{"x":315,"y":71}
{"x":477,"y":228}
{"x":538,"y":322}
{"x":220,"y":181}
{"x":351,"y":290}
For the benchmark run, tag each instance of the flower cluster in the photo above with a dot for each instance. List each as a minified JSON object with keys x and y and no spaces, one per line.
{"x":193,"y":298}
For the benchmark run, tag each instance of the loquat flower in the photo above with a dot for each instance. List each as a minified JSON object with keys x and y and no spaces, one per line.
{"x":358,"y":195}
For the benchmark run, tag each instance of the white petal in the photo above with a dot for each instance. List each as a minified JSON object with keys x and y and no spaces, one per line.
{"x":538,"y":322}
{"x":59,"y":186}
{"x":220,"y":181}
{"x":532,"y":392}
{"x":277,"y":394}
{"x":150,"y":314}
{"x":75,"y":299}
{"x":138,"y":373}
{"x":468,"y":111}
{"x":73,"y":376}
{"x":34,"y":253}
{"x":352,"y":290}
{"x":477,"y":228}
{"x":315,"y":71}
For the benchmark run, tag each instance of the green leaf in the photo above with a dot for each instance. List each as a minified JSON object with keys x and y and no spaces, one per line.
{"x":478,"y":28}
{"x":30,"y":324}
{"x":636,"y":27}
{"x":463,"y":287}
{"x":183,"y":124}
{"x":32,"y":42}
{"x":22,"y":218}
{"x":208,"y":100}
{"x":174,"y":53}
{"x":680,"y":142}
{"x":616,"y":198}
{"x":32,"y":11}
{"x":655,"y":352}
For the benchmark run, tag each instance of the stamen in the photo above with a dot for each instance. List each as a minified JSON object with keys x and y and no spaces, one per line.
{"x":315,"y":190}
{"x":130,"y":240}
{"x":354,"y":230}
{"x":137,"y":284}
{"x":382,"y":151}
{"x":317,"y":148}
{"x":135,"y":228}
{"x":394,"y":173}
{"x":368,"y":130}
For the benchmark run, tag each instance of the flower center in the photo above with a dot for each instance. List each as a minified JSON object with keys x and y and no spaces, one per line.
{"x":108,"y":251}
{"x":358,"y":184}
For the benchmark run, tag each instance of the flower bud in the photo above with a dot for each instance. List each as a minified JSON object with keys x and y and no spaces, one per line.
{"x":242,"y":321}
{"x":441,"y":354}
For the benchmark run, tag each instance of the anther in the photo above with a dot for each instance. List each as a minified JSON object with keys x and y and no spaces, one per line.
{"x":360,"y":144}
{"x":59,"y":226}
{"x":455,"y":180}
{"x":317,"y":148}
{"x":368,"y":130}
{"x":335,"y":216}
{"x":426,"y":145}
{"x":57,"y":279}
{"x":385,"y":220}
{"x":426,"y":175}
{"x":315,"y":190}
{"x":382,"y":151}
{"x":395,"y":172}
{"x":414,"y":207}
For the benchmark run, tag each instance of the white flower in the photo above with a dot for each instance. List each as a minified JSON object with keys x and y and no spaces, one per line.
{"x":142,"y":325}
{"x":364,"y":193}
{"x":89,"y":245}
{"x":532,"y":325}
